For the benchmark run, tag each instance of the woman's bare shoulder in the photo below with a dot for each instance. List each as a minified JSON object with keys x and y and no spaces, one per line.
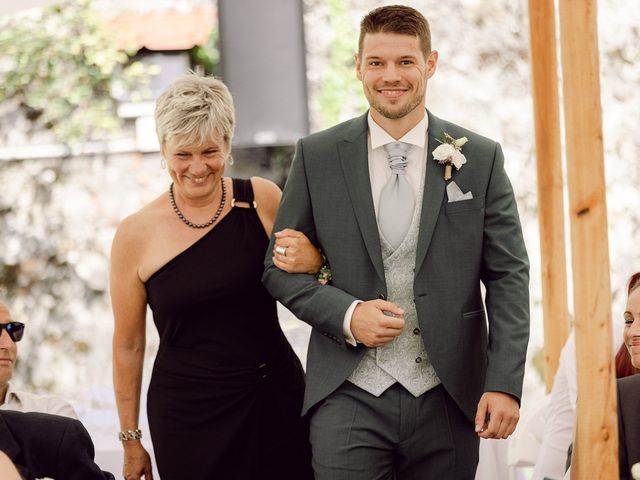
{"x":266,"y":192}
{"x":139,"y":226}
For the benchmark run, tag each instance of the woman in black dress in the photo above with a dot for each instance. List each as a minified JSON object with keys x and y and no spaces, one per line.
{"x":226,"y":390}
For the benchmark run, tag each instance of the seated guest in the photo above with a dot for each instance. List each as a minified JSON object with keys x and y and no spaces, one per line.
{"x":42,"y":445}
{"x":11,"y":399}
{"x":629,"y":387}
{"x":552,"y":461}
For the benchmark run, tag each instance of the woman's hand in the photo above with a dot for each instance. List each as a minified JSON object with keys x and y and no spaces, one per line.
{"x":294,"y":253}
{"x":136,"y":461}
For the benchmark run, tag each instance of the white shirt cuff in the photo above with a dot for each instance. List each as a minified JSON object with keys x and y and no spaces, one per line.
{"x":346,"y":324}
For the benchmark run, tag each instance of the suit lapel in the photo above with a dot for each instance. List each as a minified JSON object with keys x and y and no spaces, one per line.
{"x":434,"y":187}
{"x":353,"y":153}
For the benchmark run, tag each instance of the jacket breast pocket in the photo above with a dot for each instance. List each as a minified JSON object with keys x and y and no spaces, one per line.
{"x":461,"y":206}
{"x":473,"y":314}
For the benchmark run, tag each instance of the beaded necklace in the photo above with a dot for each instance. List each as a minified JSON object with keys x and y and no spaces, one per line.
{"x":198,"y":225}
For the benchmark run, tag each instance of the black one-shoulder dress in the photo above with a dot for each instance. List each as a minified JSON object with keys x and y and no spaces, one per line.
{"x":226,"y":391}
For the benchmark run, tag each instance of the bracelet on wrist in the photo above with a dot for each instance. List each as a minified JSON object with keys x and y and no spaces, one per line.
{"x":130,"y":435}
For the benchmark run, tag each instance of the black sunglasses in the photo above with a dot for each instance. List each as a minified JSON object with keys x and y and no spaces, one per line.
{"x":14,"y":329}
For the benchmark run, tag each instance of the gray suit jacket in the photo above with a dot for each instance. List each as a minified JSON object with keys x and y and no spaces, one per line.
{"x":461,"y":244}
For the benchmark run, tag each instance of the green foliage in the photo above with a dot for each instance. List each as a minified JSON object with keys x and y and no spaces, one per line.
{"x":61,"y":66}
{"x":208,"y":55}
{"x":341,"y":92}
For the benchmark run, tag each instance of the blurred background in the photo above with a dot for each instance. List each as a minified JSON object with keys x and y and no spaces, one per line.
{"x":78,"y":150}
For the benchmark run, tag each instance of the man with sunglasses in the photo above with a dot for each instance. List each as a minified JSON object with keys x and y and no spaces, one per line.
{"x":11,"y":332}
{"x":66,"y":451}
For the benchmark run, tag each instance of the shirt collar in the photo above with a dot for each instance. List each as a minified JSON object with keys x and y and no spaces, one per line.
{"x":415,"y":136}
{"x":12,"y":396}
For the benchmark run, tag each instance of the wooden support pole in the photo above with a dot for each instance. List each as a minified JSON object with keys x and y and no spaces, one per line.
{"x":546,"y":110}
{"x":597,"y":433}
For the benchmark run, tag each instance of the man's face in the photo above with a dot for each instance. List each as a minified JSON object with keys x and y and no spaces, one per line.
{"x":8,"y":350}
{"x":394,"y":74}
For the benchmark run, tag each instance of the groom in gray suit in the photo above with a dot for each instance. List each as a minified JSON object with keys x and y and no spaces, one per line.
{"x":403,"y":373}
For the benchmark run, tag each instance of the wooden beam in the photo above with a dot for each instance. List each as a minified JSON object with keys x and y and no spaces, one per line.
{"x":597,"y":432}
{"x":546,"y":110}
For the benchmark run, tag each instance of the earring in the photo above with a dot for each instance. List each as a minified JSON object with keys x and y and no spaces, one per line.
{"x":229,"y":160}
{"x":163,"y":163}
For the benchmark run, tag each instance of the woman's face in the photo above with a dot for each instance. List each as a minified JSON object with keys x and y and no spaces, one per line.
{"x":632,"y":327}
{"x":196,"y":169}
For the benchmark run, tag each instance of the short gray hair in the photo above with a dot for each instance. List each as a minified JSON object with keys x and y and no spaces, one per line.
{"x":195,"y":108}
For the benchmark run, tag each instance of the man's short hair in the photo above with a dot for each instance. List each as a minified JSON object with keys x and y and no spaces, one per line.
{"x":397,"y":19}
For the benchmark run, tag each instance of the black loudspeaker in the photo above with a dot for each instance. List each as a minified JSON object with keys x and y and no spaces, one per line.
{"x":262,"y":60}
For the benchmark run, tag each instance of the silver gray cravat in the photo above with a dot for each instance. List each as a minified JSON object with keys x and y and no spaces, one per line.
{"x":397,"y":202}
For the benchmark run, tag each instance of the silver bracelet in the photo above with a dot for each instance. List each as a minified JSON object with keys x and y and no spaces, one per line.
{"x":130,"y":435}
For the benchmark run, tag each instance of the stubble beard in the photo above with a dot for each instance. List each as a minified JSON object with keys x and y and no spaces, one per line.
{"x":396,"y":114}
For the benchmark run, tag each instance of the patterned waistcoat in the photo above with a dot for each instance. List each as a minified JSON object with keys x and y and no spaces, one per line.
{"x":404,"y":359}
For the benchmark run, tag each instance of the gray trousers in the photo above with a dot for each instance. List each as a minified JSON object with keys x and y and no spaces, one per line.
{"x":357,"y":436}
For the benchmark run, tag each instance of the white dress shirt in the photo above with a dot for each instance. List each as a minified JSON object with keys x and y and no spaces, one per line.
{"x":32,"y":402}
{"x":379,"y":173}
{"x":560,"y":416}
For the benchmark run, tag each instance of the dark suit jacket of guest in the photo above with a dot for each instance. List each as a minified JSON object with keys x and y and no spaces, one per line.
{"x":43,"y":445}
{"x":628,"y":423}
{"x":460,"y":245}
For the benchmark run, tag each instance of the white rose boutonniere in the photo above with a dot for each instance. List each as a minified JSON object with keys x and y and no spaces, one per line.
{"x":450,"y":153}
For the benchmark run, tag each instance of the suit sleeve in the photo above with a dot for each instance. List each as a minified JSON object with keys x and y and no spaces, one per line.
{"x":76,"y":455}
{"x":505,"y":275}
{"x":321,"y":306}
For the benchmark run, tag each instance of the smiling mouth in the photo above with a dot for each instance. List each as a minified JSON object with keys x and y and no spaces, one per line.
{"x":391,"y":93}
{"x":199,"y":180}
{"x":634,"y":347}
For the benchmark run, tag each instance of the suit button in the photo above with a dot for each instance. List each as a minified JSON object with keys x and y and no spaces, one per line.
{"x":419,"y":360}
{"x":416,"y":331}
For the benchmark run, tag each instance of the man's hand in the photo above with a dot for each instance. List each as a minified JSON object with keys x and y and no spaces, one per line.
{"x":497,"y":416}
{"x":376,"y":322}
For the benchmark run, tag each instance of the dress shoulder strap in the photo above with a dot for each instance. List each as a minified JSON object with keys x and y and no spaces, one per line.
{"x":243,"y":193}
